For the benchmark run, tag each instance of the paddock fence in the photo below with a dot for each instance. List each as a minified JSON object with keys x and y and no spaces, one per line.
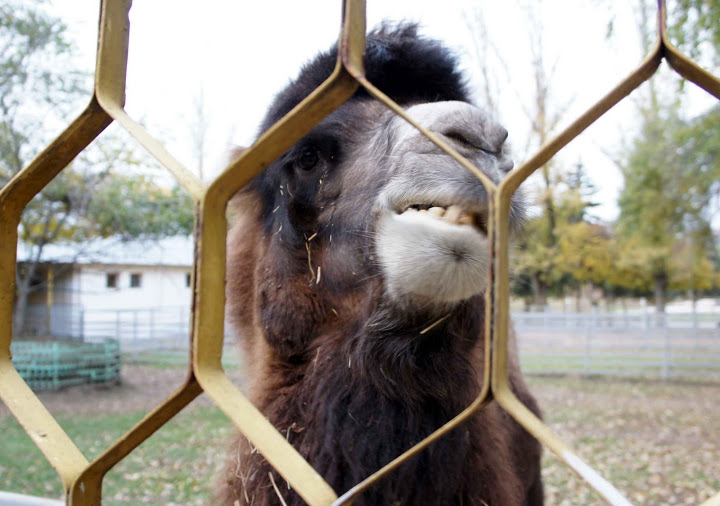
{"x":82,"y":479}
{"x":640,"y":344}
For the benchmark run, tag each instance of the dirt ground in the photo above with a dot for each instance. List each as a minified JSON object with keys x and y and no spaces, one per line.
{"x":659,"y":443}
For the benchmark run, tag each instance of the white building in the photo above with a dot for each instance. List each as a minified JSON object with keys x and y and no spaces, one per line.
{"x":134,"y":289}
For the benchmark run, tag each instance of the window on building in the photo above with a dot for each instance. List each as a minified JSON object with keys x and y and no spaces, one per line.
{"x":135,"y":280}
{"x":111,"y":280}
{"x":188,"y":280}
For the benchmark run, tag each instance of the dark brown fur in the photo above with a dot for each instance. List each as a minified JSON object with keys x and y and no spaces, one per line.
{"x":339,"y":368}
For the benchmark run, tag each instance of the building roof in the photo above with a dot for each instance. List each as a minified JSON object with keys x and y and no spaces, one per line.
{"x":171,"y":251}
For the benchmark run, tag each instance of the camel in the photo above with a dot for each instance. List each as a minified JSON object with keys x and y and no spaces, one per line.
{"x":357,"y":264}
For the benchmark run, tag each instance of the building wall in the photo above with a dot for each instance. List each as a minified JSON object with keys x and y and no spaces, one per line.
{"x":160,"y":286}
{"x":64,"y":287}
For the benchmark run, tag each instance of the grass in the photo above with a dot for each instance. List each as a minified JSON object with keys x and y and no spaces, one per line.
{"x":657,"y":442}
{"x":173,"y":360}
{"x":177,"y":465}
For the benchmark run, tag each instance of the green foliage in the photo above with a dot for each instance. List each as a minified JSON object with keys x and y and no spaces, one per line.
{"x":561,"y":246}
{"x":135,"y":207}
{"x":671,"y":178}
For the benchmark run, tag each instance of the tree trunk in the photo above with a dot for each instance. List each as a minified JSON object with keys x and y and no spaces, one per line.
{"x":693,"y":299}
{"x":660,"y":281}
{"x":539,"y":291}
{"x":22,"y":292}
{"x":578,"y":298}
{"x":609,"y":300}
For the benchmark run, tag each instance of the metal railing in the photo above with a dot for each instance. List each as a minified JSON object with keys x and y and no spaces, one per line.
{"x":82,"y":479}
{"x":636,"y":344}
{"x":663,"y":346}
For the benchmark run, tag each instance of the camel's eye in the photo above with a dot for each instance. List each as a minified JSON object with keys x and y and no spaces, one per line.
{"x":307,"y":159}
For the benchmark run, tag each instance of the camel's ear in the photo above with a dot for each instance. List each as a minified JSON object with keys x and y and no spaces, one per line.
{"x":234,"y":153}
{"x":235,"y":201}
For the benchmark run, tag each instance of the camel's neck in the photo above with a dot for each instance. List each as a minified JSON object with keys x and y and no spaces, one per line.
{"x":375,"y":390}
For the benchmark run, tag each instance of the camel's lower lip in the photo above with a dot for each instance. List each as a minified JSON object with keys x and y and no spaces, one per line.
{"x":453,"y":214}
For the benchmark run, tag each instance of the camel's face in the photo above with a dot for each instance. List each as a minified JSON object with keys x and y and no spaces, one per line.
{"x":432,"y":214}
{"x":370,"y":198}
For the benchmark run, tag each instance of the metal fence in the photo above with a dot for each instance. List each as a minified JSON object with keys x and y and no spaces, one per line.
{"x":82,"y":479}
{"x":638,"y":345}
{"x":169,"y":324}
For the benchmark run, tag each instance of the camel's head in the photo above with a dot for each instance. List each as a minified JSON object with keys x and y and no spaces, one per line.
{"x":366,"y":203}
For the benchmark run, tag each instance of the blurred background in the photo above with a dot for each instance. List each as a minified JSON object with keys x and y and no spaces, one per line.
{"x":615,"y":281}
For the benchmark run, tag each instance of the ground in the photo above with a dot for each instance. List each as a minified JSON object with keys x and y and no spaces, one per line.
{"x":657,"y":442}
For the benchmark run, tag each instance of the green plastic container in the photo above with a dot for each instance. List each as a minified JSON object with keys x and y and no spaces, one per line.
{"x":51,"y":365}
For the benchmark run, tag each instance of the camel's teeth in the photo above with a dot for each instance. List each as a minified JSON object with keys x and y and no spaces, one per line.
{"x":453,"y":213}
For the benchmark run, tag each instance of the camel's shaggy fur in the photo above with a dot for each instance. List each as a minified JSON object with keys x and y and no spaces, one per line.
{"x":337,"y":273}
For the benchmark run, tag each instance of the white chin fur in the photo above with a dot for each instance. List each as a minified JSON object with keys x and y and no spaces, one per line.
{"x":430,"y":258}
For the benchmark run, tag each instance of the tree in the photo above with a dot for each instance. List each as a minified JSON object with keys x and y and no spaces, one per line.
{"x":536,"y":258}
{"x":695,"y":29}
{"x":86,"y":200}
{"x":671,"y":175}
{"x":671,"y":167}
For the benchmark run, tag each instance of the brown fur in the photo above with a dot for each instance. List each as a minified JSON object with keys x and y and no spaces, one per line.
{"x":338,"y":365}
{"x":500,"y":465}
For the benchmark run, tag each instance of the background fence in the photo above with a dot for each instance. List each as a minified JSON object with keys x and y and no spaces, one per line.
{"x":620,"y":344}
{"x":640,"y":343}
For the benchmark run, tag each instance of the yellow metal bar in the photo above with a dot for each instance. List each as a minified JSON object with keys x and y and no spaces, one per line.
{"x":87,"y":488}
{"x":379,"y":95}
{"x":499,"y":376}
{"x":713,"y":501}
{"x":39,"y":424}
{"x":210,"y":293}
{"x":483,"y":397}
{"x":681,"y":63}
{"x":646,"y":69}
{"x":42,"y":428}
{"x":110,"y":89}
{"x":18,"y":192}
{"x":499,"y":335}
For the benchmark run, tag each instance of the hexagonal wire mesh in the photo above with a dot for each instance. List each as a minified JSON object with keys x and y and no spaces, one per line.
{"x":82,"y":480}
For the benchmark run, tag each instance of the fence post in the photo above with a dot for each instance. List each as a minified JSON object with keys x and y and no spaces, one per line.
{"x":152,"y":324}
{"x":56,"y":366}
{"x":135,"y":325}
{"x":666,"y":353}
{"x":586,"y":361}
{"x":82,"y":324}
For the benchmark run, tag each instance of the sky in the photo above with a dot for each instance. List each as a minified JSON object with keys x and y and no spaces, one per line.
{"x":232,"y":57}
